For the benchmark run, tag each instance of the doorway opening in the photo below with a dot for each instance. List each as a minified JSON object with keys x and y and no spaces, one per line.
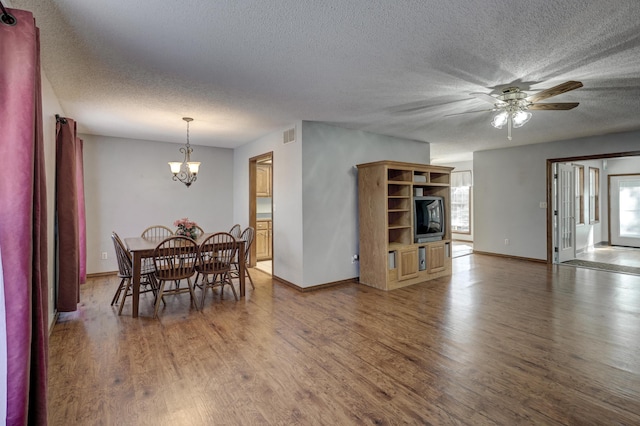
{"x":582,"y":221}
{"x":261,"y":211}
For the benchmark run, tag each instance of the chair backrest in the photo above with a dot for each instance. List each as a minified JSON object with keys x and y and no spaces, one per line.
{"x":175,"y":258}
{"x":217,"y":252}
{"x":236,"y":230}
{"x":123,"y":257}
{"x":248,"y":235}
{"x":158,"y":232}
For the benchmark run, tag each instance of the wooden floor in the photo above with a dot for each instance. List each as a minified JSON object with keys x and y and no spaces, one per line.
{"x":502,"y":341}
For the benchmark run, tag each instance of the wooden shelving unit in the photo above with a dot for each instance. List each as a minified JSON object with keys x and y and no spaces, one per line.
{"x":389,"y":258}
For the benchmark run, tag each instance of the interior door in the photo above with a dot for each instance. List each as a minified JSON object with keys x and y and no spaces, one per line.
{"x":566,"y":237}
{"x":624,"y":202}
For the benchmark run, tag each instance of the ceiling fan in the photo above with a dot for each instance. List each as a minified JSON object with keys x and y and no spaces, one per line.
{"x":513,"y":105}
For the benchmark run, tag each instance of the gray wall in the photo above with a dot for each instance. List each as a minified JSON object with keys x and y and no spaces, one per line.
{"x":128,"y":187}
{"x":330,"y":193}
{"x":287,"y":193}
{"x":315,"y":196}
{"x":511,"y":182}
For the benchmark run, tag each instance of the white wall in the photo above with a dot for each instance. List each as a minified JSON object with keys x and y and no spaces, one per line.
{"x":50,"y":107}
{"x":128,"y":187}
{"x":511,"y":182}
{"x":461,"y":166}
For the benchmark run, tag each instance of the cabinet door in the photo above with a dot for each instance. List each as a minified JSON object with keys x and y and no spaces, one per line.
{"x":262,"y":244}
{"x":263,"y":180}
{"x":407,"y":263}
{"x":435,"y":257}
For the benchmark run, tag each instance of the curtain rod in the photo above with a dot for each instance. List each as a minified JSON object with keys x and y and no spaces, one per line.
{"x":62,"y":120}
{"x":6,"y":17}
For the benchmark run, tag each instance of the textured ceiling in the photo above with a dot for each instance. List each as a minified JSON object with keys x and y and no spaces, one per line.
{"x":245,"y":68}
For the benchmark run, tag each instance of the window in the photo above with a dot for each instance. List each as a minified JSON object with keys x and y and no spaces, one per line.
{"x":461,"y":202}
{"x":594,"y":195}
{"x":579,"y":195}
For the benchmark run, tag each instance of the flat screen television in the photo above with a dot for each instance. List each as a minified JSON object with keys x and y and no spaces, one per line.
{"x":429,"y":219}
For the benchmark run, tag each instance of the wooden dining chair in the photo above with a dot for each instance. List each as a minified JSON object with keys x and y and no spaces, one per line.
{"x":236,"y":230}
{"x":148,"y":282}
{"x":215,"y":255}
{"x":248,"y":235}
{"x":175,"y":260}
{"x":159,"y":232}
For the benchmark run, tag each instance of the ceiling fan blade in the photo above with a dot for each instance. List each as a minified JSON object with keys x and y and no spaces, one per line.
{"x":485,"y":97}
{"x":556,"y":106}
{"x":470,"y":112}
{"x":554,"y":91}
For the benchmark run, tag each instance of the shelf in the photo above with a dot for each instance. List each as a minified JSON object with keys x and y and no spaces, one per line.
{"x":429,"y":184}
{"x":398,"y":210}
{"x":399,"y":203}
{"x":396,"y":175}
{"x":399,"y":226}
{"x":395,"y":190}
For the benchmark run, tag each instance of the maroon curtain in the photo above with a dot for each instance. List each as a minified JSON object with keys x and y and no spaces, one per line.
{"x":23,"y":233}
{"x":70,"y":220}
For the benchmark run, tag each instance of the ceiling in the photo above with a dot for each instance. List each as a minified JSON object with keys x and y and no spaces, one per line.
{"x":246,"y":68}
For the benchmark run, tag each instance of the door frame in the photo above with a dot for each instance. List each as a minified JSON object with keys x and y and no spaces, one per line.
{"x":550,"y":162}
{"x":610,"y":204}
{"x":253,"y":161}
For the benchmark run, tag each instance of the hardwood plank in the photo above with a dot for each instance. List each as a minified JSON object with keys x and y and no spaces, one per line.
{"x":502,"y":341}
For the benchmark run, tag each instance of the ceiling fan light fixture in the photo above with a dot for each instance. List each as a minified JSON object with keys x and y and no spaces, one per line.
{"x":520,"y":118}
{"x":500,"y":119}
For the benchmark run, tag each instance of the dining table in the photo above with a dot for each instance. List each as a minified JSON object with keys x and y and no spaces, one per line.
{"x":142,"y":248}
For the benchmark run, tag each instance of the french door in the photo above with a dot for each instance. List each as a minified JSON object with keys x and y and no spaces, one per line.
{"x":624,"y":202}
{"x":565,"y":235}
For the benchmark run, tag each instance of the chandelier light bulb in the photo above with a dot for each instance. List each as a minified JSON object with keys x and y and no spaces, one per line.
{"x":187,"y":170}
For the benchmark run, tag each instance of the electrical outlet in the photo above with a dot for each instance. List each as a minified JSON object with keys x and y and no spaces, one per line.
{"x":104,"y":255}
{"x":355,"y":258}
{"x":506,"y":241}
{"x":543,"y":204}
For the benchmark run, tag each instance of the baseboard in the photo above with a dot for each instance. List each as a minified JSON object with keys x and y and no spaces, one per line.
{"x":102,"y":274}
{"x":508,"y":256}
{"x":316,"y":287}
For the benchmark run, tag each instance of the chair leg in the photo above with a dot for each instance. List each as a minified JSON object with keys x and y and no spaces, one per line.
{"x":227,"y":279}
{"x":118,"y":292}
{"x":204,"y":286}
{"x":124,"y":296}
{"x":249,"y":276}
{"x":159,"y":298}
{"x":192,"y":294}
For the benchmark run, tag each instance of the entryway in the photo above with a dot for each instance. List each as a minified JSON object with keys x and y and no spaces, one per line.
{"x":602,"y":213}
{"x":261,"y":210}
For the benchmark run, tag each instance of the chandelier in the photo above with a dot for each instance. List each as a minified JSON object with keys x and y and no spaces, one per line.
{"x":187,"y":170}
{"x":512,"y":106}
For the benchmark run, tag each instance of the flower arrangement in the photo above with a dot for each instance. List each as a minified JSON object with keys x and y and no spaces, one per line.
{"x":186,"y":227}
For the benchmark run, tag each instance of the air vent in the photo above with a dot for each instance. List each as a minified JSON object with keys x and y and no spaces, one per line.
{"x":289,"y":135}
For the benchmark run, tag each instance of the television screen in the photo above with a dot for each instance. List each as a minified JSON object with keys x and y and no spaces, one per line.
{"x":429,"y":223}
